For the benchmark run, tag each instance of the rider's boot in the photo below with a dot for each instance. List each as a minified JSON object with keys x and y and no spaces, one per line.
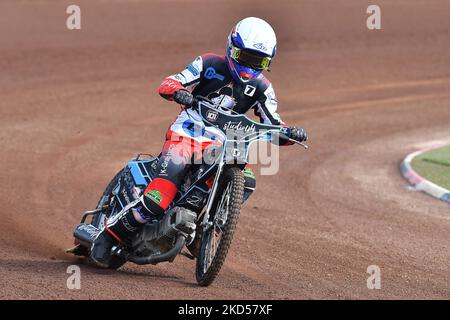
{"x":120,"y":229}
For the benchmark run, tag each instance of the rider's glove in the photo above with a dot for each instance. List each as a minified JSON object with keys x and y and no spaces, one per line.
{"x":183,"y":97}
{"x":298,"y":134}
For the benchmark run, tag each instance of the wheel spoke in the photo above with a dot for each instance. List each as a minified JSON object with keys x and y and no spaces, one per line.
{"x":214,"y":241}
{"x":218,"y":232}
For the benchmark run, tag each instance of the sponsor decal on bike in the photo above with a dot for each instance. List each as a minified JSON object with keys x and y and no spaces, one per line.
{"x":128,"y":179}
{"x":195,"y":201}
{"x":89,"y":229}
{"x":125,"y":195}
{"x":154,"y":195}
{"x":127,"y":224}
{"x":211,"y":115}
{"x":238,"y":126}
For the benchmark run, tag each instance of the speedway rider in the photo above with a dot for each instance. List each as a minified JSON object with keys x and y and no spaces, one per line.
{"x":232,"y":81}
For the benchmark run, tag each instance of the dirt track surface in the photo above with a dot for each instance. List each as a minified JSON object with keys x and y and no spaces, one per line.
{"x":76,"y":105}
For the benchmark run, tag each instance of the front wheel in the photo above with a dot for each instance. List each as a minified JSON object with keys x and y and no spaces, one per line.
{"x":216,"y":238}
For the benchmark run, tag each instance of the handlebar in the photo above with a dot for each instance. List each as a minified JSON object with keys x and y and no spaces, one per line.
{"x":195,"y":106}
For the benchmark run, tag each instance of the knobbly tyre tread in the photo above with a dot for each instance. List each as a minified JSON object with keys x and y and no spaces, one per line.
{"x":108,"y":191}
{"x":116,"y":262}
{"x":234,"y":175}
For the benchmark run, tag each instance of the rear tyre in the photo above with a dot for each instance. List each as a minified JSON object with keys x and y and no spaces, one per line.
{"x":99,"y":219}
{"x":216,"y":239}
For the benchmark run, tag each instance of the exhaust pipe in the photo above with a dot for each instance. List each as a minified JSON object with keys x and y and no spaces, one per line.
{"x":162,"y":257}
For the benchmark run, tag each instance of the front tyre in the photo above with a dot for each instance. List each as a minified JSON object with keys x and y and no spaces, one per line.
{"x":216,"y":238}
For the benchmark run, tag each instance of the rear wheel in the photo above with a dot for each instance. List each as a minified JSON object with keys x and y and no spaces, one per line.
{"x":99,"y":219}
{"x":216,"y":238}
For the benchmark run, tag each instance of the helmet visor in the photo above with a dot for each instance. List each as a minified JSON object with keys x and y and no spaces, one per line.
{"x":249,"y":59}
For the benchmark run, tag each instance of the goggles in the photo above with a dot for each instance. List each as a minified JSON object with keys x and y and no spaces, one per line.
{"x":248,"y":59}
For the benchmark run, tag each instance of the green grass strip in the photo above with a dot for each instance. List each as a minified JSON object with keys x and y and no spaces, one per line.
{"x":434,"y":165}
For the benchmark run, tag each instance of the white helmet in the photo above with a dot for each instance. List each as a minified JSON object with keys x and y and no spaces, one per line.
{"x":251,"y":46}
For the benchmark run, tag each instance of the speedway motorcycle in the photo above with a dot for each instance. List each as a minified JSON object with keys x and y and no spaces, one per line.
{"x":204,"y":212}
